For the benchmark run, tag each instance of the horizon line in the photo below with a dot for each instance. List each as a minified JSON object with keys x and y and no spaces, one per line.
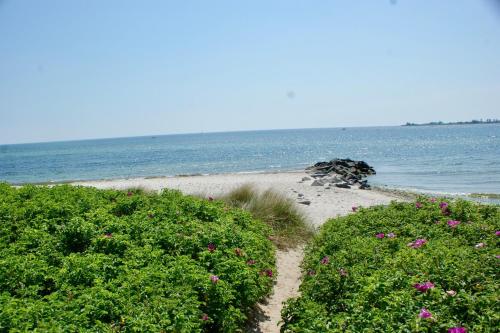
{"x":192,"y":133}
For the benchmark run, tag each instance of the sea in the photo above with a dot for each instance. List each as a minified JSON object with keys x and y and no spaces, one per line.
{"x":450,"y":160}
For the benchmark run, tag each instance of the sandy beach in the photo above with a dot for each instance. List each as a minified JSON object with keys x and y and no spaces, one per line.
{"x":324,"y":204}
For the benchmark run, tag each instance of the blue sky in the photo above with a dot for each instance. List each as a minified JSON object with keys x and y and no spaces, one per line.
{"x":91,"y":69}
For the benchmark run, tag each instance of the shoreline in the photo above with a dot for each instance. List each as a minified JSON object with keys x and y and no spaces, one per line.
{"x":402,"y":192}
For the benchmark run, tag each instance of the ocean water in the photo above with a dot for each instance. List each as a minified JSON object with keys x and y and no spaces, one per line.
{"x":443,"y":159}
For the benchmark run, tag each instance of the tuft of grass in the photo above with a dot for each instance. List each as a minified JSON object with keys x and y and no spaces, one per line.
{"x":289,"y":225}
{"x":485,"y":195}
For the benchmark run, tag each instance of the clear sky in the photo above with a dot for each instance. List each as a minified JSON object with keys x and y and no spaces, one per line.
{"x":93,"y":68}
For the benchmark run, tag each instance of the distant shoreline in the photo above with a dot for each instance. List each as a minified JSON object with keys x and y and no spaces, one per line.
{"x":472,"y":122}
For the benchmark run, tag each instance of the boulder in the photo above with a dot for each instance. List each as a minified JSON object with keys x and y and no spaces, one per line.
{"x":341,"y":173}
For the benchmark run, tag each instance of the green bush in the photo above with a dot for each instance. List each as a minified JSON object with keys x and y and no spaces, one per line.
{"x":407,"y":267}
{"x":75,"y":259}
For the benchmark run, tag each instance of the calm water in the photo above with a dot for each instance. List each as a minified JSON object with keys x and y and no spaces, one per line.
{"x":445,"y":159}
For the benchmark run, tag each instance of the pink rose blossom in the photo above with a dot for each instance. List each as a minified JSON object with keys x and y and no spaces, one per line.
{"x":451,"y":293}
{"x":457,"y":330}
{"x":423,"y":287}
{"x":380,"y":235}
{"x":214,"y":279}
{"x":417,"y":243}
{"x":453,"y":223}
{"x":424,"y":313}
{"x":325,"y":260}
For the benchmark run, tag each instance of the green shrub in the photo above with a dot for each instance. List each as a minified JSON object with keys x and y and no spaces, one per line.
{"x":288,"y":224}
{"x":75,"y":259}
{"x":375,"y":270}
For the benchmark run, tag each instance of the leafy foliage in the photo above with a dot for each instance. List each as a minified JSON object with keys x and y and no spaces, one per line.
{"x":386,"y":269}
{"x":87,"y":260}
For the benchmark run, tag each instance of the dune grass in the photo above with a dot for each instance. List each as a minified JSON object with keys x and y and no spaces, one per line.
{"x":485,"y":195}
{"x":289,"y":225}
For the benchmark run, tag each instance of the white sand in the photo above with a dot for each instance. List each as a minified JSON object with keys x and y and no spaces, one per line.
{"x":325,"y":203}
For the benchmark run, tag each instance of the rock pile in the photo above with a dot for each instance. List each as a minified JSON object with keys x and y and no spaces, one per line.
{"x":342,"y":173}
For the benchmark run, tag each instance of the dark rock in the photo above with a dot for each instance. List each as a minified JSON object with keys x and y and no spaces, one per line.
{"x":343,"y":172}
{"x":305,"y":179}
{"x":305,"y":202}
{"x":364,"y":187}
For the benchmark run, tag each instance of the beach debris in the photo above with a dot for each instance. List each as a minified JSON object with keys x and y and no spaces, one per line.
{"x":304,"y":179}
{"x":342,"y":173}
{"x":305,"y":202}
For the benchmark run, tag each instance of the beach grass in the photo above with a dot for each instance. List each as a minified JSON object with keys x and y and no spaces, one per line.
{"x":485,"y":195}
{"x":289,"y":225}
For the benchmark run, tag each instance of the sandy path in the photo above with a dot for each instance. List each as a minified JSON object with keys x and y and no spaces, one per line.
{"x":325,"y":203}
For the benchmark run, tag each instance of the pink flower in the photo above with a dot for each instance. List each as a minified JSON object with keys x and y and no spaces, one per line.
{"x":311,"y":272}
{"x":251,"y":262}
{"x":380,"y":235}
{"x":268,"y":272}
{"x":457,"y":330}
{"x":210,"y":199}
{"x":423,"y":287}
{"x":453,"y":223}
{"x":391,"y":235}
{"x":443,"y":205}
{"x":129,"y":194}
{"x":424,"y":313}
{"x":211,"y":247}
{"x":451,"y":293}
{"x":479,"y":245}
{"x":497,"y":256}
{"x":432,"y":200}
{"x":343,"y":272}
{"x":204,"y":317}
{"x":325,"y":260}
{"x":417,"y":243}
{"x":214,"y":279}
{"x":418,"y":205}
{"x":354,"y":208}
{"x":497,"y":233}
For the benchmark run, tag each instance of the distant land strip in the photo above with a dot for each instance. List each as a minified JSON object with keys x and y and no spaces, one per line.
{"x":472,"y":122}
